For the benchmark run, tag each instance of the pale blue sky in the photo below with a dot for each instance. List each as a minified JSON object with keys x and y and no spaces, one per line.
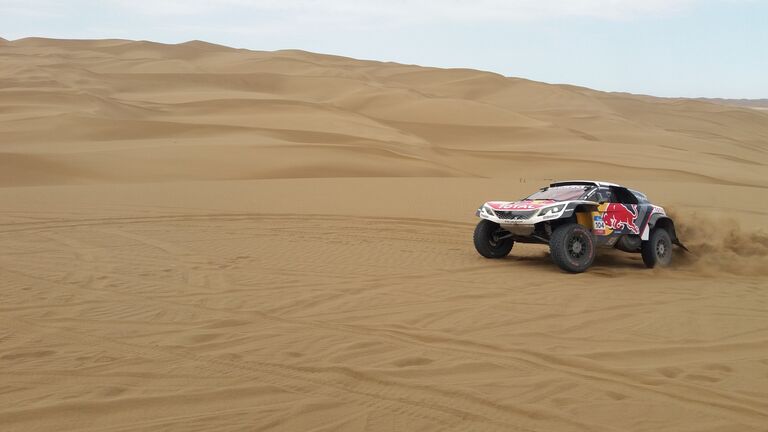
{"x":689,"y":48}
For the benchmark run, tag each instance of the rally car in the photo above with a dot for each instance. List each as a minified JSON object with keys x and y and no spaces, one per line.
{"x":575,"y":218}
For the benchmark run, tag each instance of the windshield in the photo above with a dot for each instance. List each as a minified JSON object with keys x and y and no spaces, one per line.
{"x":561,"y":193}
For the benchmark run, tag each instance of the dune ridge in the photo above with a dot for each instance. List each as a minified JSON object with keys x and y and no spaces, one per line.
{"x":198,"y":237}
{"x":101,"y":96}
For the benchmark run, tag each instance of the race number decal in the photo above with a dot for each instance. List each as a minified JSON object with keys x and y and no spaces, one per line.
{"x":598,"y":225}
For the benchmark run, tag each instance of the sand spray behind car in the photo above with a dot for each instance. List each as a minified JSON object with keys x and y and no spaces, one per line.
{"x":720,"y":245}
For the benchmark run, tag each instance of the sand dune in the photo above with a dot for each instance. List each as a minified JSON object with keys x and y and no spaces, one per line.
{"x":196,"y":237}
{"x":105,"y":94}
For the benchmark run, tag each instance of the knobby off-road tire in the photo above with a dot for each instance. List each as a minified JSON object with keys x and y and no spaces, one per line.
{"x":657,"y":250}
{"x":486,"y":243}
{"x":572,"y":247}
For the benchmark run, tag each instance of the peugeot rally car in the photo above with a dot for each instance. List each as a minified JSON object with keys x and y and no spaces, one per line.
{"x":575,"y":218}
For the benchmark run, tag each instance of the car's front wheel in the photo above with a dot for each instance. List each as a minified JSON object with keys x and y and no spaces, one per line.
{"x":657,"y":250}
{"x":487,"y":240}
{"x":572,"y":247}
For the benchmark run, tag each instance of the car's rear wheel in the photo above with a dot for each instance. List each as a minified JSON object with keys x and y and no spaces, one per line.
{"x":572,"y":247}
{"x":487,"y":240}
{"x":657,"y":250}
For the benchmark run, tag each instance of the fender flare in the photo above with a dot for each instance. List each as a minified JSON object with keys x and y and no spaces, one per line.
{"x":663,"y":221}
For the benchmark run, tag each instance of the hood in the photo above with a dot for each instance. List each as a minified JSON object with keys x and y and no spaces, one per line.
{"x":520,"y":205}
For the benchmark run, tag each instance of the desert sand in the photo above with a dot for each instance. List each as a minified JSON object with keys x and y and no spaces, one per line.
{"x":196,"y":237}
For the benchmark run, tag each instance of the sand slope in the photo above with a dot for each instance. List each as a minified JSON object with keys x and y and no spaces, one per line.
{"x":295,"y":114}
{"x":195,"y":237}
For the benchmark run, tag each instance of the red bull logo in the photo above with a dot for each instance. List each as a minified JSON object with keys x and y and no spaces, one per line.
{"x":621,"y":216}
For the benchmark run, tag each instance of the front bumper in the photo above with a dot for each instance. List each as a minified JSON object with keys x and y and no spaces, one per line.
{"x":516,"y":217}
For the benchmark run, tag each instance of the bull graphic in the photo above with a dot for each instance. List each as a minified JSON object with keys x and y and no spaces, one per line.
{"x":621,"y":216}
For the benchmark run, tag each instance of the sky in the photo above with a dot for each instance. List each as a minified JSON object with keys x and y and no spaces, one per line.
{"x":674,"y":48}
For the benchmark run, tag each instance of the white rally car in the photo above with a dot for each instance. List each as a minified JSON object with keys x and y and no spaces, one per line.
{"x":575,"y":218}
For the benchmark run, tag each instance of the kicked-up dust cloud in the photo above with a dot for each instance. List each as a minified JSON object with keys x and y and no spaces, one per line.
{"x":721,"y":245}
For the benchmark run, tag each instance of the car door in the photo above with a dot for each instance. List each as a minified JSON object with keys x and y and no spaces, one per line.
{"x":621,"y":214}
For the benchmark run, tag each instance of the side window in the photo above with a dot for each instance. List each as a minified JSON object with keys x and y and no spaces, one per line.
{"x":624,"y":196}
{"x":604,"y":195}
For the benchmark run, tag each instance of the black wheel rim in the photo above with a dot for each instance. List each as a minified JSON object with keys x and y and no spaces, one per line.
{"x":577,"y":246}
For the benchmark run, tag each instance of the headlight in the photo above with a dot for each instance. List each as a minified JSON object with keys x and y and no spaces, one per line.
{"x":552,"y":210}
{"x":487,"y":210}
